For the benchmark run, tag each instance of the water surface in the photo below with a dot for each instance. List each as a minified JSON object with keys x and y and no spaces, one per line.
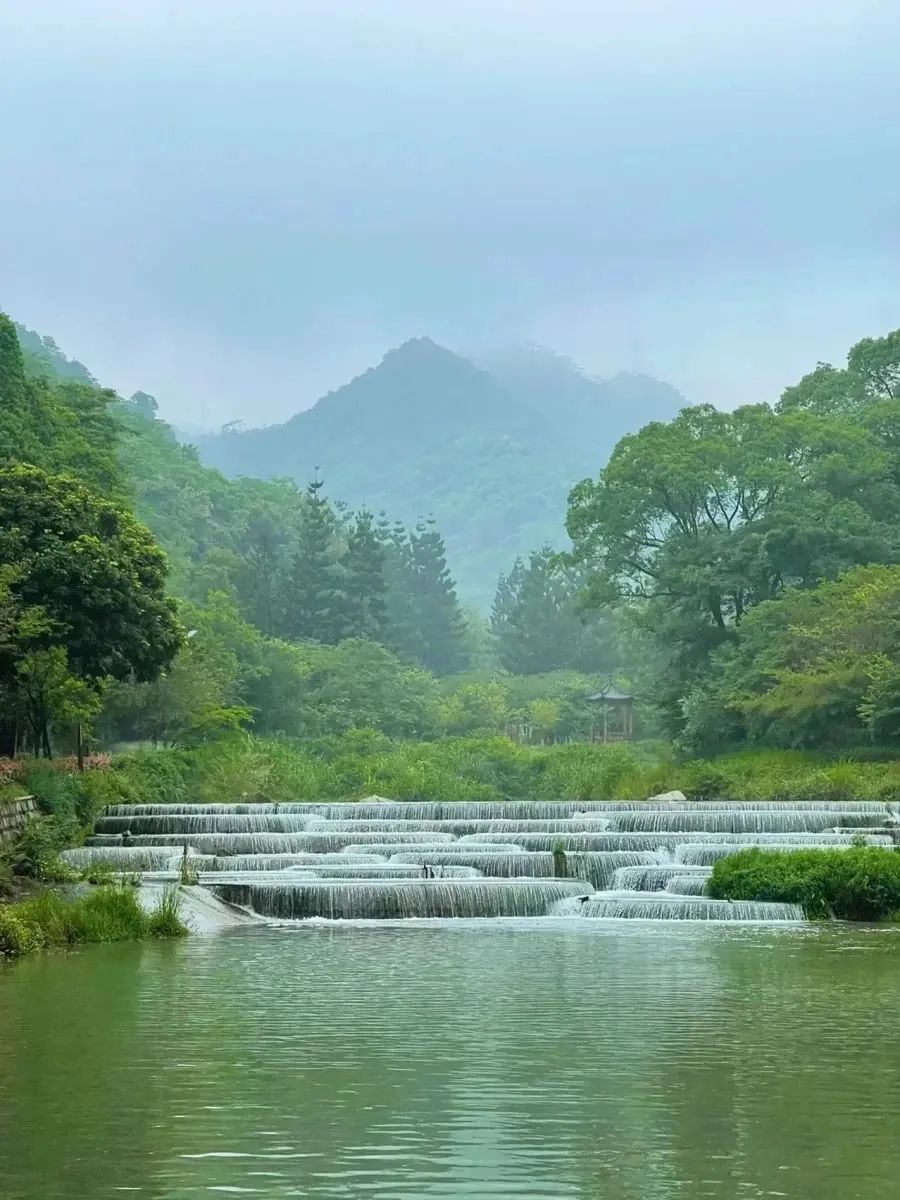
{"x":480,"y":1060}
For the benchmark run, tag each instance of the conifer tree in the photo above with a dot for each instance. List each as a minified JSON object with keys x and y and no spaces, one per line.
{"x":318,"y":605}
{"x":403,"y":634}
{"x":438,"y":613}
{"x":365,"y":580}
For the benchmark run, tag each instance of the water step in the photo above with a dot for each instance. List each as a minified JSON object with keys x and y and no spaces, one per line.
{"x":388,"y":900}
{"x":676,"y":908}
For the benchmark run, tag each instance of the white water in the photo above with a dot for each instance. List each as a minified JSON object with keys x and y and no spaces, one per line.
{"x":384,"y":860}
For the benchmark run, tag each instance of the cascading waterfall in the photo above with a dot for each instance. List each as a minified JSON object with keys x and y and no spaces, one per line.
{"x":379,"y":859}
{"x":688,"y":884}
{"x":388,"y":900}
{"x":660,"y":907}
{"x":649,"y":879}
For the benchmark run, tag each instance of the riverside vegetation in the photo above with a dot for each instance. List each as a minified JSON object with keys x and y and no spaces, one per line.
{"x":737,"y":571}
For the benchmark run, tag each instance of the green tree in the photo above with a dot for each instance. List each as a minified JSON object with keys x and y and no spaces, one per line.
{"x":318,"y":593}
{"x":700,"y":520}
{"x":144,"y":403}
{"x":437,"y":611}
{"x":365,"y":580}
{"x":16,"y":435}
{"x":538,"y":625}
{"x":95,"y":572}
{"x":816,"y":667}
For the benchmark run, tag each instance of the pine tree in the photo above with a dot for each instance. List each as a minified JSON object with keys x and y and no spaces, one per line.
{"x":365,"y":580}
{"x":438,"y":612}
{"x":403,"y":634}
{"x":318,"y":602}
{"x":505,"y":601}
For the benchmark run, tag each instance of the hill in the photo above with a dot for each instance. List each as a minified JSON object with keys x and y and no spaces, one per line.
{"x":489,"y":449}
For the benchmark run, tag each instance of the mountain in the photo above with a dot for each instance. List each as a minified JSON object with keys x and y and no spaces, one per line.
{"x":43,"y":357}
{"x":590,"y":414}
{"x":489,"y":453}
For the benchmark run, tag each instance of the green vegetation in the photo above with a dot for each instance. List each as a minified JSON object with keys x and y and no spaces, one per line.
{"x":363,"y":762}
{"x":490,"y":453}
{"x":738,"y":570}
{"x":859,"y":884}
{"x":719,"y":536}
{"x":107,"y":914}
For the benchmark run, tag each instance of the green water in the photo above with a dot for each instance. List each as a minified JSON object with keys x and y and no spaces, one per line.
{"x":610,"y":1062}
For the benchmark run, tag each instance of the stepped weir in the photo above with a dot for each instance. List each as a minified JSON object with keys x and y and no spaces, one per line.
{"x":391,"y":860}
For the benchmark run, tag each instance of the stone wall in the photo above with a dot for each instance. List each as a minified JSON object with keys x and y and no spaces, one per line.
{"x":14,"y":815}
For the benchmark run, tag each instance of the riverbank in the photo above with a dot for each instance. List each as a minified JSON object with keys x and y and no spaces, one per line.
{"x":51,"y":920}
{"x":363,"y":763}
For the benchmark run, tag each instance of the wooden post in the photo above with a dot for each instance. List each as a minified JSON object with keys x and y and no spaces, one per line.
{"x":605,"y":721}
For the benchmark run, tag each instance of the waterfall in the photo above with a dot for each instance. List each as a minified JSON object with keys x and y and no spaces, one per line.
{"x":649,"y":879}
{"x":389,"y":900}
{"x":688,"y":885}
{"x":380,"y":859}
{"x":660,"y":907}
{"x":742,"y":821}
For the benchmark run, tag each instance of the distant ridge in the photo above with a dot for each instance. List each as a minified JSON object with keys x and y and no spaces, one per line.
{"x":489,"y":448}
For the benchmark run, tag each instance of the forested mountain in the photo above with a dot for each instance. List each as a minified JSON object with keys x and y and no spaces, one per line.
{"x":588,"y":415}
{"x":489,"y":453}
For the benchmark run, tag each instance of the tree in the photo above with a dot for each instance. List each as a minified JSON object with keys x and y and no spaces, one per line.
{"x":365,"y":580}
{"x":538,"y":626}
{"x":438,"y":614}
{"x":93,"y":570}
{"x":700,"y":520}
{"x":16,"y":434}
{"x":360,"y":685}
{"x":814,"y":667}
{"x":318,"y":596}
{"x":877,"y":362}
{"x":145,"y":404}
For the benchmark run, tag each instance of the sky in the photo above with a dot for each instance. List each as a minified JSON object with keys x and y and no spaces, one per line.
{"x":238,"y":205}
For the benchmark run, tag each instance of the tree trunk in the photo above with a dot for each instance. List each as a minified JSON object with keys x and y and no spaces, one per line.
{"x":79,"y":746}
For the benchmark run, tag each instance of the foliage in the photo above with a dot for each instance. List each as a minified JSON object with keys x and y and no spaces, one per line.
{"x":489,"y":455}
{"x":364,"y":762}
{"x":858,"y":884}
{"x":537,"y":623}
{"x":814,"y":668}
{"x":107,"y":914}
{"x":695,"y":523}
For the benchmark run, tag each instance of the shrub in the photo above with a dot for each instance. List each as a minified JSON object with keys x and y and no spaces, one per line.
{"x":858,"y":884}
{"x":165,"y":919}
{"x":36,"y":850}
{"x":106,"y":914}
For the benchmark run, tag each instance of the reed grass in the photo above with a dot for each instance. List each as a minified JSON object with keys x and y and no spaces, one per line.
{"x":106,"y":914}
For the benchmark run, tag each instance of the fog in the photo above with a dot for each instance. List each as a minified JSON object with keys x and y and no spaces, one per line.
{"x":239,"y":206}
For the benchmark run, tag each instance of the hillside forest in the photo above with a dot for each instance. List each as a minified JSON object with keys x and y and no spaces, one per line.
{"x":737,"y":571}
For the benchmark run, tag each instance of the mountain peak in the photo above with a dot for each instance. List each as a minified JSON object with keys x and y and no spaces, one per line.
{"x":422,"y":352}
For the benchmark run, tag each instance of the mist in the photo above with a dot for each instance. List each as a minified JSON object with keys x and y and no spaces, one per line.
{"x":238,"y":207}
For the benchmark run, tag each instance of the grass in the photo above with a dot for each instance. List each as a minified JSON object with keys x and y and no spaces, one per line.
{"x":247,"y":768}
{"x":108,"y":914}
{"x":859,"y":884}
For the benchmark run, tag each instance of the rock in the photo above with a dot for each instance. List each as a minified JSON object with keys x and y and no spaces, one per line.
{"x":675,"y":797}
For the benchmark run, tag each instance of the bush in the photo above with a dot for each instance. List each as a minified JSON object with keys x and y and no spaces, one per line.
{"x":165,"y":919}
{"x":107,"y":914}
{"x":35,"y":852}
{"x":859,"y":884}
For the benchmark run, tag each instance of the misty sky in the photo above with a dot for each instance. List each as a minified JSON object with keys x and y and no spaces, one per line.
{"x":238,"y":205}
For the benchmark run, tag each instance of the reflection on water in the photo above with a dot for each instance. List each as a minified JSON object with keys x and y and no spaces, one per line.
{"x":501,"y":1060}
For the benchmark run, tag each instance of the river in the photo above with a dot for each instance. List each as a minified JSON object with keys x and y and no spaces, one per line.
{"x":479,"y":1060}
